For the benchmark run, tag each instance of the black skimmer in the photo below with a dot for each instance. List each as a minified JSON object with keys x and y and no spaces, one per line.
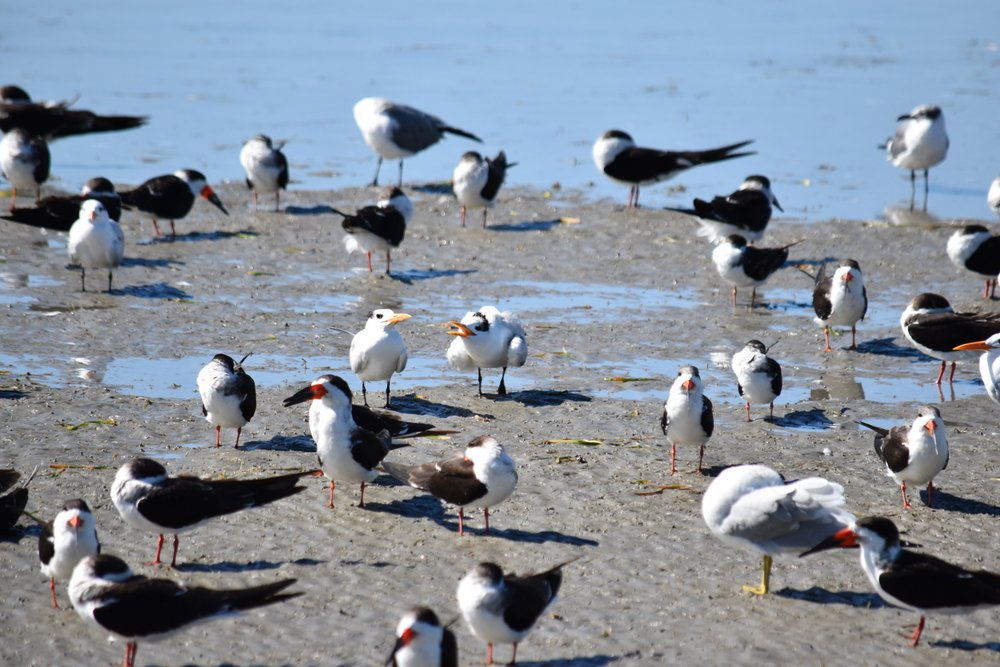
{"x":228,"y":395}
{"x":12,"y":504}
{"x":477,"y":180}
{"x":687,"y":415}
{"x":840,"y":300}
{"x":911,"y":580}
{"x":484,"y":476}
{"x":502,"y":608}
{"x":95,"y":241}
{"x":487,"y":338}
{"x":24,"y":162}
{"x":378,"y":228}
{"x":59,"y":212}
{"x":758,"y":376}
{"x":752,"y":506}
{"x":421,"y":641}
{"x":618,"y":158}
{"x":109,"y":597}
{"x":378,"y":421}
{"x":53,"y":120}
{"x":743,"y":265}
{"x":745,"y":212}
{"x":934,"y":328}
{"x":346,"y":451}
{"x":172,"y":196}
{"x":266,"y":168}
{"x":148,"y":499}
{"x":974,"y":249}
{"x":378,"y":351}
{"x":989,"y":363}
{"x":920,"y":142}
{"x":396,"y":131}
{"x":914,"y":453}
{"x":66,"y":540}
{"x":993,"y":196}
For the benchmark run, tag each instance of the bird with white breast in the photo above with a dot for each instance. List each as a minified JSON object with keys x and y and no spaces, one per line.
{"x":266,"y":168}
{"x":228,"y":395}
{"x":95,"y":241}
{"x":920,"y":142}
{"x":378,"y":350}
{"x":758,"y":376}
{"x":421,"y":641}
{"x":840,"y":300}
{"x":66,"y":540}
{"x":487,"y":338}
{"x":476,"y":181}
{"x":687,"y":417}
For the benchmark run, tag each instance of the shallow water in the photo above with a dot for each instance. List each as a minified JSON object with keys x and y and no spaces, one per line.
{"x":817,"y":89}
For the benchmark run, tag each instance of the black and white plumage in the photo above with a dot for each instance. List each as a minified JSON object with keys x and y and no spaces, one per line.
{"x":920,"y":142}
{"x":53,"y":120}
{"x":378,"y":228}
{"x":618,"y":158}
{"x":973,"y":248}
{"x":914,"y":453}
{"x":266,"y":168}
{"x":758,"y":376}
{"x":346,"y":451}
{"x":172,"y":196}
{"x":12,"y":504}
{"x":743,"y":265}
{"x":745,"y":212}
{"x":840,"y":300}
{"x":476,"y":181}
{"x":503,"y":608}
{"x":989,"y":363}
{"x":934,"y":328}
{"x":910,"y":580}
{"x":109,"y":597}
{"x":59,"y":212}
{"x":95,"y":241}
{"x":687,"y":415}
{"x":378,"y":350}
{"x":421,"y":641}
{"x":993,"y":196}
{"x":396,"y":131}
{"x":149,"y":499}
{"x":378,"y":421}
{"x":484,"y":477}
{"x":228,"y":395}
{"x":752,"y":506}
{"x":487,"y":338}
{"x":24,"y":162}
{"x":66,"y":540}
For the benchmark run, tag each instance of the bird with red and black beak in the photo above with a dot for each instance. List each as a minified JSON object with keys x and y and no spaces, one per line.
{"x":910,"y":580}
{"x":421,"y":641}
{"x":687,"y":415}
{"x":172,"y":196}
{"x":840,"y":300}
{"x":66,"y":540}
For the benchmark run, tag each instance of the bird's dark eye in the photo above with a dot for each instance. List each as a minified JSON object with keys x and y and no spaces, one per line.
{"x":378,"y":316}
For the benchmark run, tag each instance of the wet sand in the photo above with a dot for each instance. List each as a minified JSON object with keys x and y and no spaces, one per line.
{"x":618,"y":293}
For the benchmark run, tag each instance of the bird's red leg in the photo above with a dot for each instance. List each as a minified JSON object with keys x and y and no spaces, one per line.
{"x":330,"y":504}
{"x":951,"y":378}
{"x":489,"y":653}
{"x":826,"y":336}
{"x":369,"y":253}
{"x":361,"y":503}
{"x":748,"y":413}
{"x":486,"y":517}
{"x":734,"y":297}
{"x":944,"y":364}
{"x":52,"y":587}
{"x":462,"y":212}
{"x":218,"y":435}
{"x":461,"y":522}
{"x":906,"y":501}
{"x":239,"y":431}
{"x":673,"y":458}
{"x":159,"y":548}
{"x":915,"y":637}
{"x":173,"y":559}
{"x":156,"y":228}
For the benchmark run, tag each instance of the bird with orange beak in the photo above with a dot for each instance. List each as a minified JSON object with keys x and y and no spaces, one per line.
{"x":687,"y":415}
{"x":840,"y":300}
{"x":378,"y":351}
{"x":487,"y":338}
{"x":65,"y":541}
{"x":989,"y":363}
{"x":171,"y":196}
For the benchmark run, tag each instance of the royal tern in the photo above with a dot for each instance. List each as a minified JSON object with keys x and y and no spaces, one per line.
{"x":484,"y":477}
{"x":346,"y":451}
{"x":973,"y":248}
{"x":148,"y":499}
{"x":934,"y":328}
{"x":758,"y":377}
{"x":53,"y":120}
{"x":172,"y":196}
{"x":421,"y":641}
{"x":266,"y":168}
{"x":378,"y":228}
{"x":396,"y":131}
{"x":378,"y":350}
{"x":920,"y":142}
{"x":109,"y":597}
{"x":66,"y":540}
{"x":840,"y":300}
{"x":989,"y":363}
{"x":752,"y":506}
{"x":502,"y":608}
{"x":745,"y":212}
{"x":487,"y":338}
{"x":59,"y":212}
{"x":911,"y":580}
{"x":476,"y":181}
{"x":24,"y":162}
{"x":742,"y":265}
{"x":95,"y":241}
{"x":687,"y":415}
{"x":228,"y":395}
{"x":618,"y":158}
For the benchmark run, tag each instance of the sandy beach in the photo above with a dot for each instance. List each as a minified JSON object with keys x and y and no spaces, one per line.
{"x":605,"y":295}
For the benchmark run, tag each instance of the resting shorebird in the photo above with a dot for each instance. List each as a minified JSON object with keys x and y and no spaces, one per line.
{"x":396,"y":131}
{"x":266,"y":168}
{"x":487,"y":338}
{"x":95,"y":241}
{"x":915,"y":453}
{"x":758,"y":376}
{"x":172,"y":196}
{"x":743,"y":265}
{"x":421,"y":641}
{"x":920,"y":142}
{"x":687,"y":415}
{"x":974,"y":249}
{"x":840,"y":300}
{"x":378,"y":228}
{"x":66,"y":540}
{"x":618,"y":158}
{"x":378,"y":351}
{"x":476,"y":181}
{"x":24,"y":162}
{"x":745,"y":212}
{"x":228,"y":395}
{"x":934,"y":328}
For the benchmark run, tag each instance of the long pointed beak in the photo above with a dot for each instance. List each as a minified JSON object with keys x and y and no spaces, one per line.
{"x":301,"y":396}
{"x":776,"y":204}
{"x":460,"y":330}
{"x":208,"y":193}
{"x":843,"y":539}
{"x":905,"y":116}
{"x":398,"y":317}
{"x":977,"y":345}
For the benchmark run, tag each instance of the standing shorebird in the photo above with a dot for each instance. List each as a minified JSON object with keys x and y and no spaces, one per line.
{"x":920,"y":142}
{"x":421,"y":641}
{"x":95,"y":241}
{"x":66,"y":540}
{"x":477,"y":180}
{"x":973,"y":248}
{"x":745,"y":212}
{"x":687,"y":415}
{"x":915,"y":453}
{"x":743,"y":265}
{"x":934,"y":328}
{"x":266,"y":168}
{"x":840,"y":300}
{"x":378,"y":350}
{"x":171,"y":196}
{"x":487,"y":338}
{"x":758,"y":376}
{"x":24,"y":162}
{"x":228,"y":395}
{"x":378,"y":228}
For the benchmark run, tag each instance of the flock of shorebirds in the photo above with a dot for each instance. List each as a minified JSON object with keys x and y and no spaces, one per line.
{"x":750,"y":505}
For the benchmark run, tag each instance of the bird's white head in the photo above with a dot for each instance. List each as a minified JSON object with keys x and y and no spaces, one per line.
{"x":688,"y":381}
{"x":384,"y":318}
{"x":609,"y":145}
{"x":93,"y":210}
{"x":396,"y":198}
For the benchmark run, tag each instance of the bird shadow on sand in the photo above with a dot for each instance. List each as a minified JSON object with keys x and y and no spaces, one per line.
{"x":411,"y":276}
{"x":442,"y":188}
{"x":542,"y":397}
{"x":318,"y":209}
{"x":887,"y":347}
{"x":808,"y":420}
{"x":196,"y":237}
{"x":964,"y":645}
{"x":252,"y":566}
{"x":281,"y":443}
{"x":153,"y":291}
{"x":12,"y":394}
{"x":526,"y":226}
{"x":952,"y":503}
{"x":150,"y":263}
{"x":409,"y":404}
{"x":18,"y":533}
{"x":578,"y":661}
{"x":823,"y":596}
